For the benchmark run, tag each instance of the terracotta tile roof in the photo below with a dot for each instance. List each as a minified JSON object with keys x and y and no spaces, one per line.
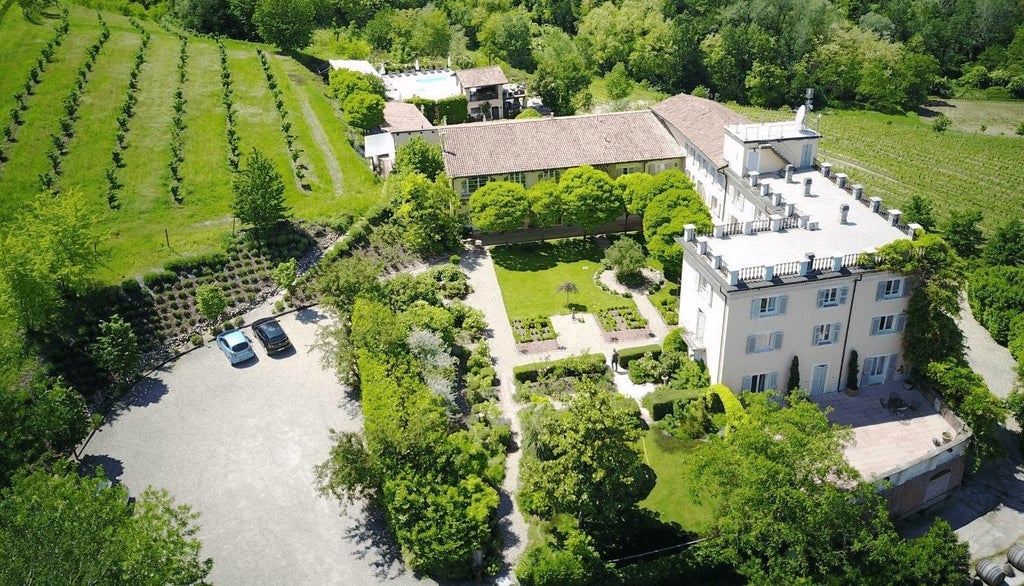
{"x":495,"y":148}
{"x":403,"y":117}
{"x":481,"y":76}
{"x":701,"y":121}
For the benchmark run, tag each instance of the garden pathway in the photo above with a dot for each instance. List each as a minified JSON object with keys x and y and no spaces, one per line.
{"x":579,"y":336}
{"x":317,"y":131}
{"x":993,"y":362}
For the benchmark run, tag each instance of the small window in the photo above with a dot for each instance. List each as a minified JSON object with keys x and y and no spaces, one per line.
{"x":826,"y":334}
{"x":833,"y":297}
{"x":888,"y":324}
{"x":474,"y":183}
{"x":553,"y":174}
{"x":760,"y":343}
{"x":628,"y":170}
{"x":519,"y":178}
{"x":768,"y":306}
{"x":892,"y":289}
{"x":759,"y":383}
{"x":703,"y":288}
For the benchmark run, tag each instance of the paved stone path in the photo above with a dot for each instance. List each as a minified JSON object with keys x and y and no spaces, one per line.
{"x":993,"y":362}
{"x":581,"y":335}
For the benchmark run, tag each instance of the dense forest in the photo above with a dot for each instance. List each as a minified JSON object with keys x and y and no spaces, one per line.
{"x":887,"y":56}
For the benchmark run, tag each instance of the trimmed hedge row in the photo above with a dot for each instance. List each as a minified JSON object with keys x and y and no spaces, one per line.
{"x":573,"y":366}
{"x":189,"y":265}
{"x":627,"y":355}
{"x":663,"y":401}
{"x":733,"y":408}
{"x":454,"y":110}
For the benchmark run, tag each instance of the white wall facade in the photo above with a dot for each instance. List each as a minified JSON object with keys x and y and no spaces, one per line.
{"x":820,"y":321}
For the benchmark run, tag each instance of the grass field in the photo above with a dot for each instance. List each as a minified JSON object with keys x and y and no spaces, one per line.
{"x":530,"y":274}
{"x":338,"y":179}
{"x":896,"y":157}
{"x":641,"y":97}
{"x":671,"y":497}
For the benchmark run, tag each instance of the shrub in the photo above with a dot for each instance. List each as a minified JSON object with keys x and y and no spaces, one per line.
{"x":645,"y":369}
{"x":733,"y":408}
{"x":157,"y":281}
{"x":663,"y":400}
{"x":196,"y":339}
{"x":574,"y":366}
{"x":192,"y":264}
{"x":674,"y":341}
{"x":628,"y":355}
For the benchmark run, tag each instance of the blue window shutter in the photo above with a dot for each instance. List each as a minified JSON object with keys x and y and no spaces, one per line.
{"x":755,"y":305}
{"x":836,"y":328}
{"x":874,"y":326}
{"x":891,"y":371}
{"x":778,"y":340}
{"x":751,"y":343}
{"x":746,"y":383}
{"x":901,"y":322}
{"x":821,"y":297}
{"x":843,"y":291}
{"x":773,"y":381}
{"x":814,"y":335}
{"x":880,"y":293}
{"x":869,"y":366}
{"x":782,"y":304}
{"x":905,"y":288}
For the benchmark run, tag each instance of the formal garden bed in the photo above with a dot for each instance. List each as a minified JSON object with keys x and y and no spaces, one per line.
{"x":534,"y":334}
{"x":622,"y":323}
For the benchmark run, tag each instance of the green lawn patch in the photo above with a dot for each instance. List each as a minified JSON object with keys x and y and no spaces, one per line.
{"x":530,"y":274}
{"x":666,"y":300}
{"x":672,"y":495}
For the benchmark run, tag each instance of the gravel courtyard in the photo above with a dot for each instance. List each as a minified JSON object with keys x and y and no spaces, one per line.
{"x":239,"y":445}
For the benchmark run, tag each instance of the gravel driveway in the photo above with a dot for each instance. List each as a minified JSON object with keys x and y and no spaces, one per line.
{"x":239,"y":445}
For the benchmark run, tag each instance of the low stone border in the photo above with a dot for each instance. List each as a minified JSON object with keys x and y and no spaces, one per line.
{"x":627,"y":335}
{"x":538,"y":346}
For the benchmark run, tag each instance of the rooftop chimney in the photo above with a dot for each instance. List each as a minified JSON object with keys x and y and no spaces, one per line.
{"x":790,"y":209}
{"x":688,"y":232}
{"x":841,"y":180}
{"x":826,"y":169}
{"x":775,"y":222}
{"x":766,"y":189}
{"x":753,"y":178}
{"x":789,"y":173}
{"x":858,"y":191}
{"x":769,"y":272}
{"x":807,"y":186}
{"x":776,"y":199}
{"x":844,"y":209}
{"x":876,"y":205}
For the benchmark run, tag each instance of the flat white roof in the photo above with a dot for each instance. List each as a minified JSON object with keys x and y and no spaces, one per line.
{"x":376,"y":145}
{"x":770,"y":131}
{"x":862,"y":230}
{"x":353,"y":65}
{"x":429,"y":84}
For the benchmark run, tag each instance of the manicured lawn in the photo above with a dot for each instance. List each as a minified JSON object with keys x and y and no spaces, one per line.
{"x":530,"y":274}
{"x":672,"y":495}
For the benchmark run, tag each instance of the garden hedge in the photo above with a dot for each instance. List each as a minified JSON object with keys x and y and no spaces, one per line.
{"x":567,"y":367}
{"x":189,"y":264}
{"x":157,"y":280}
{"x":733,"y":408}
{"x":454,"y":110}
{"x":663,"y":401}
{"x":627,"y":355}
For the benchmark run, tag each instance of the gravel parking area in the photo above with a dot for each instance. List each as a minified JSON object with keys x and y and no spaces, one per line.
{"x":239,"y":445}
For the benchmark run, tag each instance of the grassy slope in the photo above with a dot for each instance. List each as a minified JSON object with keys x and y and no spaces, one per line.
{"x":199,"y":224}
{"x":896,"y":157}
{"x":671,"y":497}
{"x":530,"y":276}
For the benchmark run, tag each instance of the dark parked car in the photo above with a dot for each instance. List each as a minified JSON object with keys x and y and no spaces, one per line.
{"x":271,"y":335}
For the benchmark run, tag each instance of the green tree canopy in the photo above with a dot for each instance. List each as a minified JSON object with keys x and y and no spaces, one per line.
{"x":259,"y":194}
{"x":588,"y":466}
{"x":618,"y":82}
{"x":794,"y":511}
{"x":426,"y":211}
{"x":49,"y":250}
{"x":42,"y":419}
{"x":117,"y":350}
{"x":626,"y":257}
{"x":1006,"y":246}
{"x":419,"y":156}
{"x":561,"y":76}
{"x":345,"y":82}
{"x":962,"y":232}
{"x":665,"y":218}
{"x":919,"y":210}
{"x":363,"y":110}
{"x":285,"y":23}
{"x":499,"y":206}
{"x":546,"y":207}
{"x":61,"y":528}
{"x":210,"y":301}
{"x":589,"y":197}
{"x":431,"y":34}
{"x":506,"y":35}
